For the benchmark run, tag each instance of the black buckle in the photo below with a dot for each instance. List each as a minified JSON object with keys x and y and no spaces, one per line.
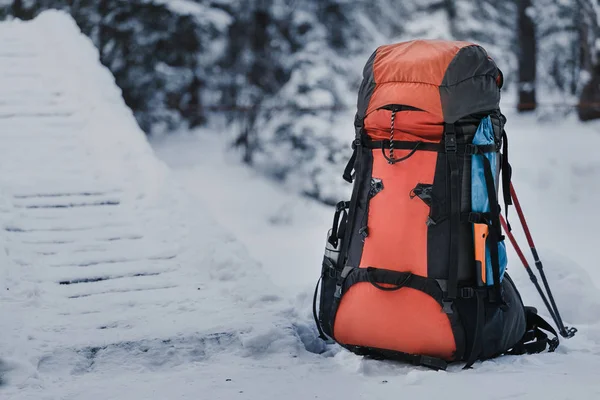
{"x":364,"y":232}
{"x":356,"y":143}
{"x":450,"y":143}
{"x":338,"y":291}
{"x":471,"y":149}
{"x":447,"y":306}
{"x":467,"y":292}
{"x":340,"y":206}
{"x":475,"y":218}
{"x":478,"y":218}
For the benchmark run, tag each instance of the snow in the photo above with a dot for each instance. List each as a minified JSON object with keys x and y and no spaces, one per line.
{"x":205,"y":269}
{"x":217,"y":17}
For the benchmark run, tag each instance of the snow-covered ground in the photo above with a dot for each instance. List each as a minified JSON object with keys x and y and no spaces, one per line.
{"x":200,"y":274}
{"x":557,"y":177}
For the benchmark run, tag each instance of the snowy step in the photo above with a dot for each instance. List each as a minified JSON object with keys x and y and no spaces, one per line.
{"x":66,"y":241}
{"x":131,"y":283}
{"x":107,"y":233}
{"x":100,"y":261}
{"x":60,"y":200}
{"x":25,"y":224}
{"x":77,"y":276}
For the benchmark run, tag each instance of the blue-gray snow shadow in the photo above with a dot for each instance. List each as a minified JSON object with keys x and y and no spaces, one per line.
{"x":151,"y":354}
{"x":156,"y":354}
{"x":5,"y":368}
{"x":576,"y":295}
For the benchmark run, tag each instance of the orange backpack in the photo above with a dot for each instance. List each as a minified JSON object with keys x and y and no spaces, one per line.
{"x":411,"y":271}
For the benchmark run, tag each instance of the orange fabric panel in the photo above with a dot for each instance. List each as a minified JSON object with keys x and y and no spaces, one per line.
{"x":408,"y":125}
{"x":397,"y":237}
{"x":404,"y":69}
{"x":422,"y":61}
{"x":405,"y":320}
{"x":420,"y":95}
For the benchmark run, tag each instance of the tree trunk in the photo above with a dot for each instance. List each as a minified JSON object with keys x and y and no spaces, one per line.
{"x":589,"y":101}
{"x":19,"y":11}
{"x":450,"y":6}
{"x":527,"y":58}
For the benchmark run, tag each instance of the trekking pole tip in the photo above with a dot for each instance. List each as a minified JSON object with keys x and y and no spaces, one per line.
{"x":567,"y":332}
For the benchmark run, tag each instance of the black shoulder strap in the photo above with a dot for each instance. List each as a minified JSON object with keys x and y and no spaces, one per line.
{"x":495,"y":231}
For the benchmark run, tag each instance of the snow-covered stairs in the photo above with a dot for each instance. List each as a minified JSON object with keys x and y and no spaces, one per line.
{"x":74,"y":228}
{"x":101,"y":249}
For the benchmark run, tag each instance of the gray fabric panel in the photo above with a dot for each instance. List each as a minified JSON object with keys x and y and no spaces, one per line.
{"x":505,"y":328}
{"x":366,"y":88}
{"x":469,"y":85}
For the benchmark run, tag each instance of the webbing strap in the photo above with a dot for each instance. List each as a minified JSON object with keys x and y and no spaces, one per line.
{"x":350,"y":166}
{"x":315,"y":314}
{"x":467,"y":148}
{"x":495,"y":232}
{"x":414,"y":359}
{"x":506,"y":175}
{"x":535,"y":339}
{"x":451,"y":155}
{"x":395,"y":279}
{"x":478,"y":335}
{"x":414,"y":146}
{"x":338,"y":230}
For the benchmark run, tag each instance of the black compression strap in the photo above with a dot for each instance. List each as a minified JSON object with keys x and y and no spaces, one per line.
{"x":337,"y":230}
{"x":395,"y":279}
{"x":450,"y":143}
{"x":426,"y":146}
{"x":350,"y":166}
{"x":495,"y":232}
{"x":414,"y":359}
{"x":506,"y":175}
{"x":478,"y":335}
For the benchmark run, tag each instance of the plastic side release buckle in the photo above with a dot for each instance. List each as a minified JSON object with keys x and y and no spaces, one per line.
{"x":450,"y":142}
{"x":338,"y":291}
{"x":447,"y":307}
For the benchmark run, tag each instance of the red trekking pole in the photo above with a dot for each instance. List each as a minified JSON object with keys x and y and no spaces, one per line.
{"x":550,"y":305}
